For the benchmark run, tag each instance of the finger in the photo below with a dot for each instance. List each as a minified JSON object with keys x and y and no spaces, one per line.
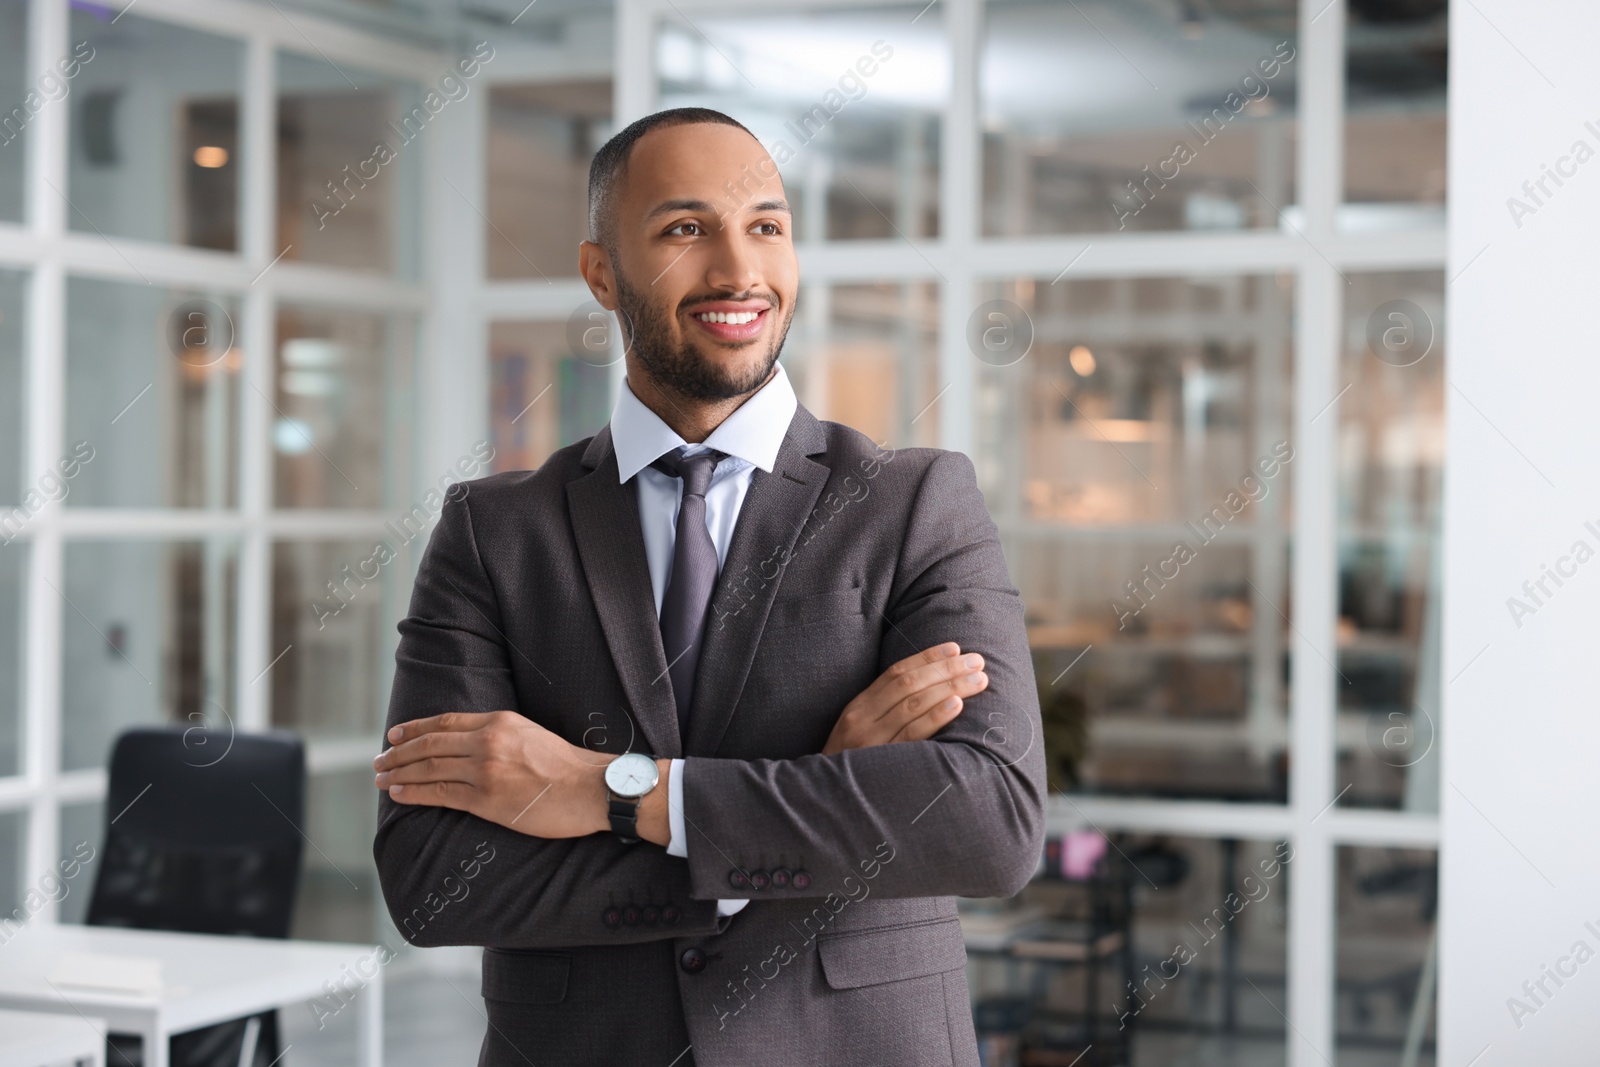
{"x":427,"y":746}
{"x":432,"y":769}
{"x":450,"y":721}
{"x":923,"y":726}
{"x":938,"y":675}
{"x":886,"y":681}
{"x":934,"y":698}
{"x":930,"y":722}
{"x":436,"y":794}
{"x":903,"y":675}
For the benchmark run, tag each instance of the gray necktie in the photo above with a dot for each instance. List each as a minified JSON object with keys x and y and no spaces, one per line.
{"x":694,"y":574}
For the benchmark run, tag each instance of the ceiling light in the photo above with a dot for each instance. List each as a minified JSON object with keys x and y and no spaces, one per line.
{"x":211,"y":156}
{"x":312,"y":353}
{"x":292,"y":437}
{"x":1082,"y":360}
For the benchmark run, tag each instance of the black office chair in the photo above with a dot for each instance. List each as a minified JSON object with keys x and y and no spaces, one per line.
{"x":202,"y":837}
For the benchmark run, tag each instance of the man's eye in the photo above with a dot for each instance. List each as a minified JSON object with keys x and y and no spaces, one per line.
{"x":772,"y":229}
{"x":681,"y":225}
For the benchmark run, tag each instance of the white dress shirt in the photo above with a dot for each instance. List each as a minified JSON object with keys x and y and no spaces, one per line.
{"x":750,"y":437}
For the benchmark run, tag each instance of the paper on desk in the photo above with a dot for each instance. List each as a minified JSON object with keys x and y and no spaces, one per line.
{"x":138,"y":975}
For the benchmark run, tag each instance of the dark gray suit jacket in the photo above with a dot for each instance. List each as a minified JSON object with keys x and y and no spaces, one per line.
{"x":534,"y":595}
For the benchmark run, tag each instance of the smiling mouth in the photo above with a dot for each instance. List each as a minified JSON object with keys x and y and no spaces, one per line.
{"x":732,"y":325}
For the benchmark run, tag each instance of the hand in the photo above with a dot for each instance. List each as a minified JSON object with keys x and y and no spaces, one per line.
{"x":499,"y":766}
{"x":911,"y":701}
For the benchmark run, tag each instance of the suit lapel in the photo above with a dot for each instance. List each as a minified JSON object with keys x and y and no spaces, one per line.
{"x":605,"y":523}
{"x":770,"y":520}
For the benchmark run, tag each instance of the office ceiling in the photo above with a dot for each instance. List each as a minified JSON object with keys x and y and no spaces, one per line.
{"x":1396,"y":47}
{"x":448,"y":22}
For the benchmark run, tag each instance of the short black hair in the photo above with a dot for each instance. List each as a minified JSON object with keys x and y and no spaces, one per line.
{"x":612,"y":160}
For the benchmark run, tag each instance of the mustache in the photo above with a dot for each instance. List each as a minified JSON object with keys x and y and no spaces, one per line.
{"x":749,"y":294}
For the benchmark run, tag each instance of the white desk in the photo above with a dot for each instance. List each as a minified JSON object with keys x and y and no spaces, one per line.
{"x":31,"y":1039}
{"x":205,"y":979}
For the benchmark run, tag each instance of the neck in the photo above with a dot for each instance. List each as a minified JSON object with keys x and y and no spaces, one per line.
{"x":691,"y":419}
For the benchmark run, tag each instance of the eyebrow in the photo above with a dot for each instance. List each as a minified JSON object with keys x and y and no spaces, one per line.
{"x":668,"y":207}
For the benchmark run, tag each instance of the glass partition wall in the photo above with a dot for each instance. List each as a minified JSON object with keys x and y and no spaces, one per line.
{"x":1171,"y":274}
{"x":208,"y":355}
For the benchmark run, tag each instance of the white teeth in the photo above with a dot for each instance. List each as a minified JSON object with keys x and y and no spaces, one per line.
{"x":737,"y":319}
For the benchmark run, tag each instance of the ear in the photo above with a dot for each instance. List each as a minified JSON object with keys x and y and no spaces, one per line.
{"x":595,"y":266}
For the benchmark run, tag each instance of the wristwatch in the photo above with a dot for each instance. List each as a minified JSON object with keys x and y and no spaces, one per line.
{"x":628,"y":778}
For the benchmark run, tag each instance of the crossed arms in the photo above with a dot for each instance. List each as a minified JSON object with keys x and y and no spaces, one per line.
{"x":958,"y":790}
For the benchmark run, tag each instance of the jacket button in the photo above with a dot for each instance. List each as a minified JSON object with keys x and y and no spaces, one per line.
{"x":738,"y":880}
{"x":670,"y":914}
{"x":780,"y":877}
{"x":693,"y":961}
{"x":760,"y":879}
{"x":800,"y":879}
{"x":651,"y":915}
{"x":612,"y":917}
{"x":630,"y":916}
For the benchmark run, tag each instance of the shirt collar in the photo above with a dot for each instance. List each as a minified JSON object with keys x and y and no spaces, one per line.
{"x":753,"y":433}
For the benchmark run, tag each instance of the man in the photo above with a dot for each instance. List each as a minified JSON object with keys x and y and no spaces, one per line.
{"x":663,"y":741}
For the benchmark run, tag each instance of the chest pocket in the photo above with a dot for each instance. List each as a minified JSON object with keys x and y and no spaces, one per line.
{"x":815,"y":609}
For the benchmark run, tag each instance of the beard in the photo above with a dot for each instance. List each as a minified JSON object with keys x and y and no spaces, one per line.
{"x":682,"y":369}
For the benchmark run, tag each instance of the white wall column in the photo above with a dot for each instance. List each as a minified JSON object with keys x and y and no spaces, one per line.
{"x":1520,"y":876}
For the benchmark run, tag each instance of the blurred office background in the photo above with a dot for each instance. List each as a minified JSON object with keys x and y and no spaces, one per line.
{"x":273,"y":357}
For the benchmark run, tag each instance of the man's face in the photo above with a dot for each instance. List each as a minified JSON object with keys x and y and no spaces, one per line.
{"x":702,"y":233}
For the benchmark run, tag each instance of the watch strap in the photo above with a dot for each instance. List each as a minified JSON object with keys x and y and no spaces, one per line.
{"x":624,"y":815}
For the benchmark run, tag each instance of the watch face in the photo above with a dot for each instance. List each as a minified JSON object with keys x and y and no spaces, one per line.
{"x":632,"y":774}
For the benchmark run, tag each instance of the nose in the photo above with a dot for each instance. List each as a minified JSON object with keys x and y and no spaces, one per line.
{"x":732,"y":267}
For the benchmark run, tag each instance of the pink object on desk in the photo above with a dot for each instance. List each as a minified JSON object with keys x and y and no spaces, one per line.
{"x":1080,"y":851}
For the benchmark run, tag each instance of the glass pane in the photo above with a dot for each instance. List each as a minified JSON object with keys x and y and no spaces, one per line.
{"x":349,"y":188}
{"x":541,"y":139}
{"x":335,"y":606}
{"x":152,"y":396}
{"x":848,"y":109}
{"x":11,"y":607}
{"x":338,"y":897}
{"x":343,"y":409}
{"x":22,"y":102}
{"x":867,"y":356}
{"x":1386,"y":965}
{"x":13,"y":834}
{"x":1150,"y":950}
{"x":1391,"y":463}
{"x":13,"y":338}
{"x":1132,"y":444}
{"x":1396,"y":58}
{"x":154,"y":151}
{"x":82,"y":830}
{"x":1103,"y":115}
{"x":147,"y":637}
{"x":542,"y":395}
